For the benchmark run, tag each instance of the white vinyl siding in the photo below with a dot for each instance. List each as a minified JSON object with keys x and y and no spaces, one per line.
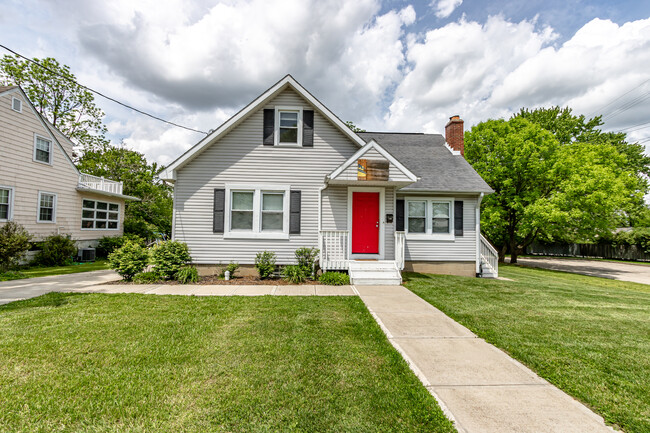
{"x":239,"y":157}
{"x":457,"y":248}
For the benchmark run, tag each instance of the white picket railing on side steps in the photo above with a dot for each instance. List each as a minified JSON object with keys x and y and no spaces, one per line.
{"x":333,"y":245}
{"x":489,"y":259}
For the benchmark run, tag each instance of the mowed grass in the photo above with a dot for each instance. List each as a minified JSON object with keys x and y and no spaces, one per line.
{"x":144,"y":363}
{"x":588,"y":336}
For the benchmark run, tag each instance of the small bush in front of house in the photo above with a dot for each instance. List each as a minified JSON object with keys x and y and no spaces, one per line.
{"x":56,"y":250}
{"x":265,"y":264}
{"x":334,"y":278}
{"x":129,"y":260}
{"x":169,"y":257}
{"x":107,"y":244}
{"x":187,"y":274}
{"x":14,"y":243}
{"x":306,"y":258}
{"x":232,"y":268}
{"x":294,"y":274}
{"x":146,"y":278}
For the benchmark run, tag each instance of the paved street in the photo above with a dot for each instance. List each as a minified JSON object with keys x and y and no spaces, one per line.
{"x":636,"y":273}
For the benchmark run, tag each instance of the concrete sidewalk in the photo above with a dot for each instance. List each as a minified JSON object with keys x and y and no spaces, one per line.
{"x":479,"y":387}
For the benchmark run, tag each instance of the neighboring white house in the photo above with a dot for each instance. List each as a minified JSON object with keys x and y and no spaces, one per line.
{"x":41,"y":188}
{"x":286,"y":173}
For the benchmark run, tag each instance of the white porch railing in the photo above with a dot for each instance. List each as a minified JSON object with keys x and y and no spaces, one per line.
{"x":333,"y":245}
{"x":489,"y":258}
{"x":99,"y":183}
{"x":400,"y":242}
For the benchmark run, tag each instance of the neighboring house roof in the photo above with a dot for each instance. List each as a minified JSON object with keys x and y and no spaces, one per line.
{"x":287,"y":82}
{"x":4,"y":88}
{"x":428,"y":156}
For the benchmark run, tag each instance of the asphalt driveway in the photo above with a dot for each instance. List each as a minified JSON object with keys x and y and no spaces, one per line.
{"x":635,"y":273}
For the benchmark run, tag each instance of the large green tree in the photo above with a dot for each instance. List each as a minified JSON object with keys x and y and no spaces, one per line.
{"x":544,"y":188}
{"x":53,"y":90}
{"x":154,"y":212}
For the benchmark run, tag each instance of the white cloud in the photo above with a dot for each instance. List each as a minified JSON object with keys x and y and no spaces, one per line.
{"x":444,"y":8}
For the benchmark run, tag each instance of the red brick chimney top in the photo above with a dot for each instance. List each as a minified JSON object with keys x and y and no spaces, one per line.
{"x":454,"y":134}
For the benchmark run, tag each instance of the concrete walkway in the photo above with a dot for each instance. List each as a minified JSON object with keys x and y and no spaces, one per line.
{"x":635,"y":273}
{"x":479,"y":387}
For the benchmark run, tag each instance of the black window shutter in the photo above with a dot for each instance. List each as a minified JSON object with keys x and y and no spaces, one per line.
{"x":399,"y":216}
{"x":308,"y":128}
{"x":218,"y":210}
{"x":294,"y":213}
{"x":269,"y":126}
{"x":458,"y":218}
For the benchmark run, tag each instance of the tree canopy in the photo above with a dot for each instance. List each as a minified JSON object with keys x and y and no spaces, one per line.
{"x":545,"y":188}
{"x":56,"y":95}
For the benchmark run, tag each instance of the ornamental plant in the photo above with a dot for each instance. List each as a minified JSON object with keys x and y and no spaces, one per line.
{"x":169,"y":257}
{"x":14,"y":243}
{"x":129,"y":260}
{"x":265,"y":264}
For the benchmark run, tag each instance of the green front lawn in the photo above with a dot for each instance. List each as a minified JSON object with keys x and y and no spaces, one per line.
{"x":143,"y":363}
{"x":42,"y":271}
{"x":588,"y":336}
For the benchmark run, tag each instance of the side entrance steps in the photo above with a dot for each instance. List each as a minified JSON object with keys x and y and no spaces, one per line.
{"x":374,"y":272}
{"x":487,"y":271}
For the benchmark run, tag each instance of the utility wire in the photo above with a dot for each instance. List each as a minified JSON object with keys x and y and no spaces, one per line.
{"x":607,"y":105}
{"x":102,"y":95}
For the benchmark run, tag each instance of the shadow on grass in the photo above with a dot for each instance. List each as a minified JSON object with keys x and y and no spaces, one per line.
{"x":53,"y":299}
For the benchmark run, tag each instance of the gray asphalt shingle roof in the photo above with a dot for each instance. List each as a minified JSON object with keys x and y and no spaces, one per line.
{"x":427,"y":156}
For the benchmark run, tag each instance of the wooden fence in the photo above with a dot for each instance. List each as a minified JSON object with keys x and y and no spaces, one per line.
{"x":601,"y":251}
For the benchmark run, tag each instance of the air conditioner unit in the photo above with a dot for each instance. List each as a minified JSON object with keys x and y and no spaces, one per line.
{"x":86,"y":255}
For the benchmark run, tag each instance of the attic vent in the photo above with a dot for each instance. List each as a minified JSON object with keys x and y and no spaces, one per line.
{"x":17,"y":105}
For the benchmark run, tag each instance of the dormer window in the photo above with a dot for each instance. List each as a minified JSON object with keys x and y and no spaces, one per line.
{"x":288,"y":126}
{"x":17,"y":105}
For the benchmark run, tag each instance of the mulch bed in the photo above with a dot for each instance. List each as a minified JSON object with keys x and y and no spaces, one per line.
{"x":215,"y":280}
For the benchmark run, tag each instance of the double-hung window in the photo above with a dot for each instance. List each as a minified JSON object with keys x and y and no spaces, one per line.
{"x":99,"y":215}
{"x":46,"y":207}
{"x":430,"y":217}
{"x":288,"y":126}
{"x":6,"y":203}
{"x":42,"y":150}
{"x":257,"y":212}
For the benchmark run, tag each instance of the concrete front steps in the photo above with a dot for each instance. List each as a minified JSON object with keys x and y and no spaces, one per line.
{"x":374,"y":272}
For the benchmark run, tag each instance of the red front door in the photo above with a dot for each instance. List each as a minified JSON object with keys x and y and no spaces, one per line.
{"x":365,"y":223}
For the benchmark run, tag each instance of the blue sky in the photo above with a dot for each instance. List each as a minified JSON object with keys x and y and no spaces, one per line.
{"x":391,"y":65}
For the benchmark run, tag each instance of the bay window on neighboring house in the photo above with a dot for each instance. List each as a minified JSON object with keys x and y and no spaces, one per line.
{"x":430,"y":218}
{"x":99,"y":215}
{"x":257,"y":212}
{"x":46,"y":207}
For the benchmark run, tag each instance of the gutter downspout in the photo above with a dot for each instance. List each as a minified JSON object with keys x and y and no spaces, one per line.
{"x":478,"y":235}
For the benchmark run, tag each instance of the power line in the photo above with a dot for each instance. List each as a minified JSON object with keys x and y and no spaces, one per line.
{"x":607,"y":105}
{"x":102,"y":95}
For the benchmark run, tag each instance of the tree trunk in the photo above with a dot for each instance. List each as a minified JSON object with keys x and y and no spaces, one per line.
{"x":502,"y":254}
{"x":513,"y":251}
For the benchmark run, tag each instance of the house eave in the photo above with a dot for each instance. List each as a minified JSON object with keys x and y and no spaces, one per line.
{"x":109,"y":194}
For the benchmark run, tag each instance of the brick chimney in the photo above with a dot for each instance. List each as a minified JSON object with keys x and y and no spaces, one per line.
{"x":454,"y":134}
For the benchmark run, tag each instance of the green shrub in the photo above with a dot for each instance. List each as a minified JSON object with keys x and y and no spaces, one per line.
{"x":334,"y":278}
{"x":107,"y":244}
{"x":294,"y":274}
{"x":14,"y":243}
{"x":57,"y":250}
{"x":265,"y":264}
{"x":306,"y":258}
{"x":639,"y":236}
{"x":232,"y":268}
{"x":146,"y":277}
{"x":188,"y":274}
{"x":169,"y":257}
{"x":11,"y":275}
{"x":129,"y":260}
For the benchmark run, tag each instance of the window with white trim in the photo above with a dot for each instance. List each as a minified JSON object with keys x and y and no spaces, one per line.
{"x":99,"y":215}
{"x":431,"y":217}
{"x":257,"y":211}
{"x":46,"y":207}
{"x":6,"y":203}
{"x":288,"y":126}
{"x":42,"y":149}
{"x":17,"y":105}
